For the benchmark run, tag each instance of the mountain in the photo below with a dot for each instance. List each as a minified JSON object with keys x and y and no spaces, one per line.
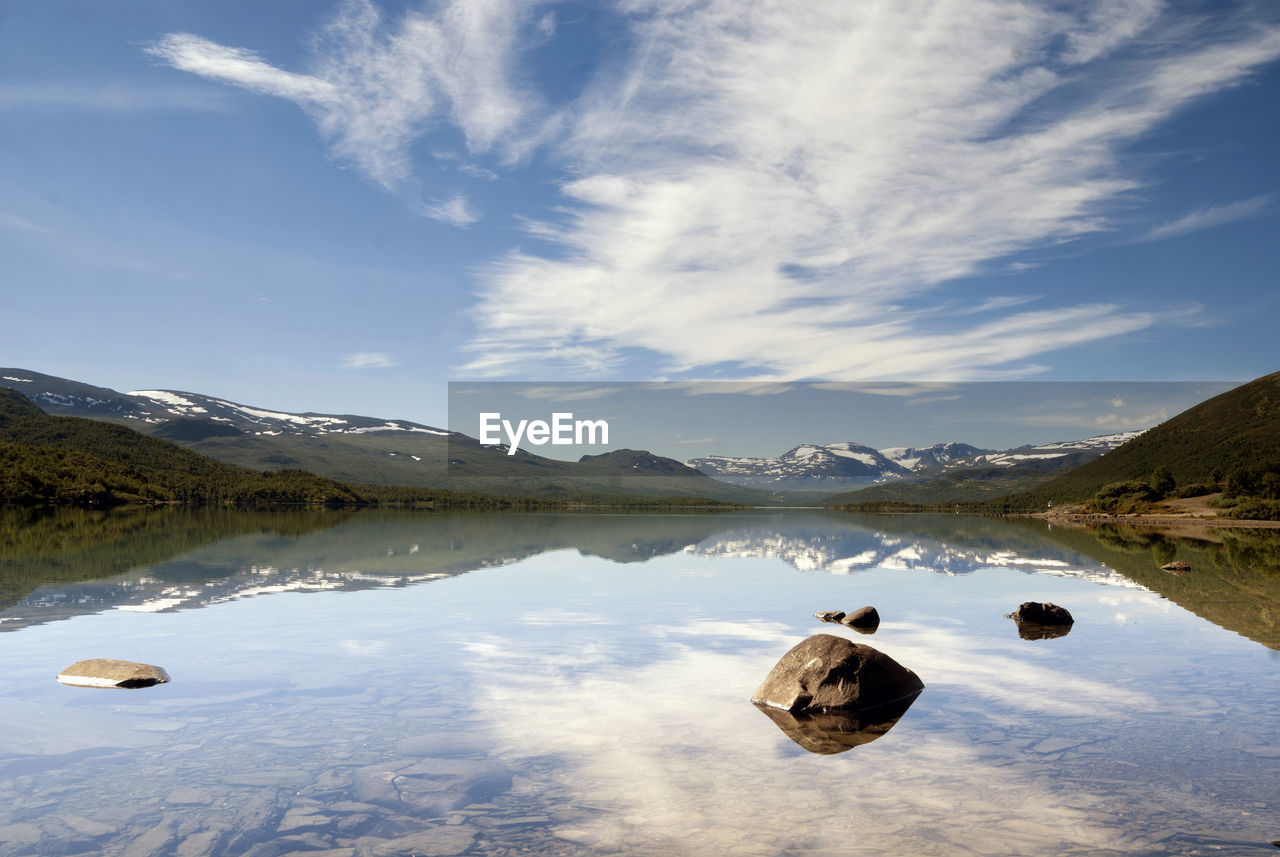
{"x":986,"y":474}
{"x":72,"y":460}
{"x":896,"y":472}
{"x":63,"y":397}
{"x":808,"y":467}
{"x":366,"y":450}
{"x":917,"y":459}
{"x":1237,"y":429}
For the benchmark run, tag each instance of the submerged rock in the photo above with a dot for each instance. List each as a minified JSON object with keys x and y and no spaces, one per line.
{"x":826,"y":673}
{"x":864,"y":619}
{"x":106,"y":672}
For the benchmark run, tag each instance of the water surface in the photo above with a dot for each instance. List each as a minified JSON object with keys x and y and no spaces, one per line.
{"x":577,"y":684}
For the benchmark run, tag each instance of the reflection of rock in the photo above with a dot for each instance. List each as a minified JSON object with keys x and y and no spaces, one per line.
{"x":825,"y":673}
{"x":1178,"y":567}
{"x":829,"y":615}
{"x":1032,"y":631}
{"x":864,"y":619}
{"x":1041,"y":620}
{"x":838,"y":731}
{"x":106,"y":672}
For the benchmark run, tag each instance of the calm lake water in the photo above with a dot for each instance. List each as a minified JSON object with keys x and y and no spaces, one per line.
{"x":577,"y":684}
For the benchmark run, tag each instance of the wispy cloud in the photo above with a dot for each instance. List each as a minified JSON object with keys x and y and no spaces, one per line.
{"x":566,"y":393}
{"x":1205,"y":218}
{"x":776,"y":188}
{"x":368,"y":360}
{"x":457,"y":210}
{"x":373,"y":88}
{"x":13,"y":221}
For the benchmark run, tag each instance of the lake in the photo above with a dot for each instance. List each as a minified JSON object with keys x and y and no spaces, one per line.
{"x":374,"y":683}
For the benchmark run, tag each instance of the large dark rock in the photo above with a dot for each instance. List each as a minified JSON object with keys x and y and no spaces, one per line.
{"x":825,"y":673}
{"x":106,"y":672}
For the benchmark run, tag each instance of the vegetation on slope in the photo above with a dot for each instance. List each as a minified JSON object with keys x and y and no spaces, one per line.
{"x":1233,"y":431}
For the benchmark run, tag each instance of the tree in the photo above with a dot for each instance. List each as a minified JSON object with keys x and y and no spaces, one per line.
{"x":1162,"y":481}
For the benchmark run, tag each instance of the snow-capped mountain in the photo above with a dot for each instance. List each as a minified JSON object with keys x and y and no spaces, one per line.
{"x":1097,"y":445}
{"x":921,"y":458}
{"x":809,"y":466}
{"x":837,"y":466}
{"x":71,"y":398}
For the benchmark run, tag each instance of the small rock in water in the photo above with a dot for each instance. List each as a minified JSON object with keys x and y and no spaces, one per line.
{"x":106,"y":672}
{"x":1041,"y":620}
{"x":829,"y":615}
{"x":864,"y":619}
{"x":1041,"y":613}
{"x":1177,"y":567}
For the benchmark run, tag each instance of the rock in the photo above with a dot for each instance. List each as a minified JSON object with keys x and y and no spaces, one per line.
{"x":433,"y":842}
{"x":864,"y":619}
{"x":1177,"y":567}
{"x":1041,"y":620}
{"x":829,"y":615}
{"x":1041,"y":613}
{"x":429,"y":788}
{"x":826,"y":673}
{"x":105,"y":672}
{"x":839,"y":731}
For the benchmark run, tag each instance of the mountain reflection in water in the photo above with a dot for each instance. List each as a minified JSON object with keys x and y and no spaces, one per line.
{"x":122,"y":559}
{"x":541,"y":684}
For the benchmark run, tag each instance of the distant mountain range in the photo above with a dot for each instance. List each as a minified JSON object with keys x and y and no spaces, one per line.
{"x":834,"y":467}
{"x":1240,"y":427}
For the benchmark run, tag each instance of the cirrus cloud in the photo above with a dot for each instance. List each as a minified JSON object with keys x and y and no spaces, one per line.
{"x":774,"y":190}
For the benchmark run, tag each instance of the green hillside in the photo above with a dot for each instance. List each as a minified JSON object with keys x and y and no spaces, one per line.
{"x":971,"y":485}
{"x":74,"y":461}
{"x":1238,"y":429}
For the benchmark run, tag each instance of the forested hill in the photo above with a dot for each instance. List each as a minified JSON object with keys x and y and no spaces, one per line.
{"x":1236,"y":431}
{"x":75,"y":461}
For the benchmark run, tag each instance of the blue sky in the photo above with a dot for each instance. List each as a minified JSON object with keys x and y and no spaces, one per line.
{"x":340,"y":207}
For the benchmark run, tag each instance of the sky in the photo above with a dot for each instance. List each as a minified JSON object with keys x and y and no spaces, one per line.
{"x":344,"y":206}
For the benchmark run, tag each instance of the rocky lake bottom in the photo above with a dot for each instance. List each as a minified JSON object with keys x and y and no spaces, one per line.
{"x":387,"y":684}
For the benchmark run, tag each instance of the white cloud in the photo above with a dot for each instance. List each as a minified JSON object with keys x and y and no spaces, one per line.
{"x":368,"y":360}
{"x":1205,"y":218}
{"x":772,"y":190}
{"x":373,"y":88}
{"x":457,"y":210}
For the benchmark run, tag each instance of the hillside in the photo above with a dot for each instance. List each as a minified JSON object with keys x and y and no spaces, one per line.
{"x":368,"y":451}
{"x":48,"y":460}
{"x":987,"y":475}
{"x":1239,"y":428}
{"x":74,"y":461}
